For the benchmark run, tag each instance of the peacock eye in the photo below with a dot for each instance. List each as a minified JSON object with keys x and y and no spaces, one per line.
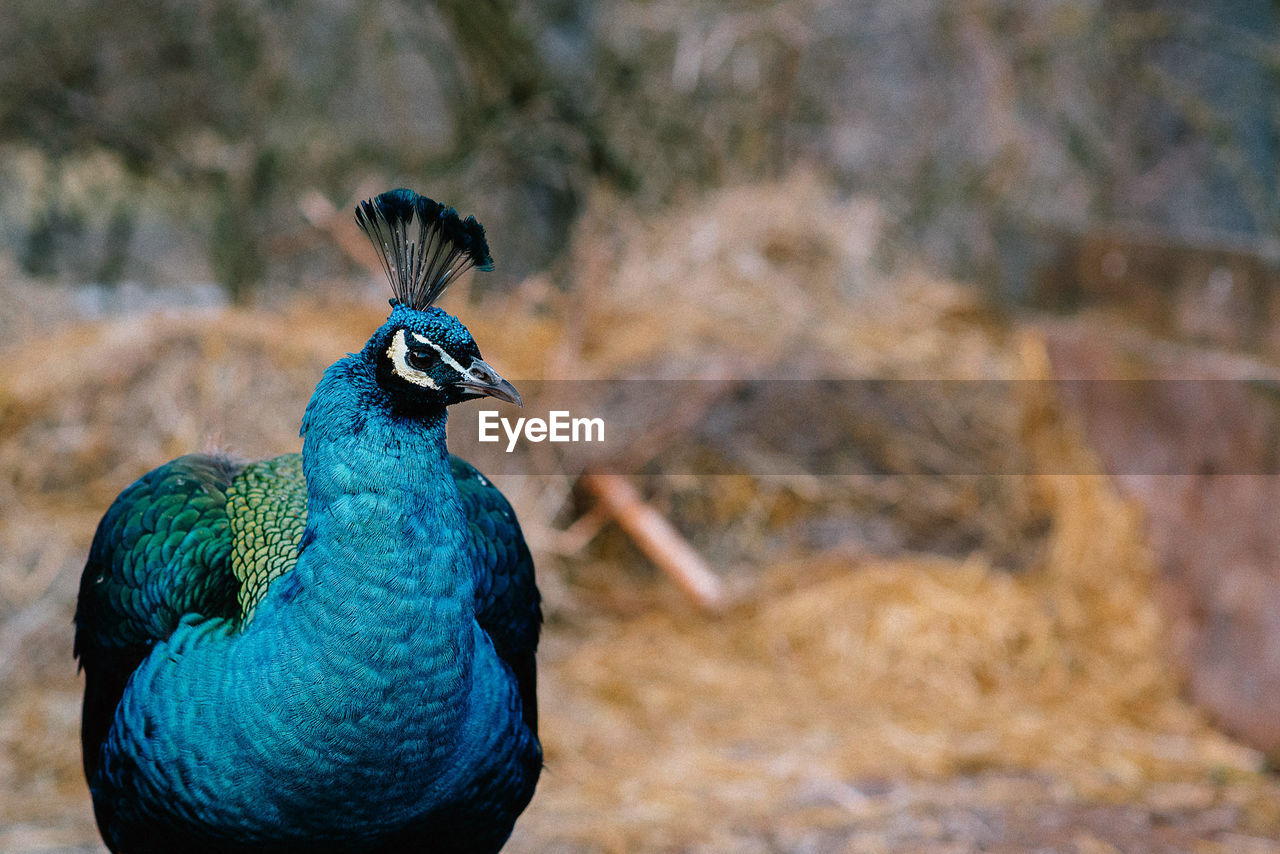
{"x":422,"y":360}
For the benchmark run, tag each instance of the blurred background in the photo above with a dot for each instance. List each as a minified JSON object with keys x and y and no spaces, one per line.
{"x":1029,"y":604}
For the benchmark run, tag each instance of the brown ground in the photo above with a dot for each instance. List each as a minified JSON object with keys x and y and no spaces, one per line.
{"x":1002,"y":688}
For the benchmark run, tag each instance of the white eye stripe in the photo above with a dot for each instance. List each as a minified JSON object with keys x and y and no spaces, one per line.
{"x":444,"y":357}
{"x":398,"y":353}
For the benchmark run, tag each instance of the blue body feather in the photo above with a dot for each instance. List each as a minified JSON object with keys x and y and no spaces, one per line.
{"x":376,"y":688}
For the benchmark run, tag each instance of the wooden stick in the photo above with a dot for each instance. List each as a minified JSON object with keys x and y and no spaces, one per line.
{"x":656,"y":537}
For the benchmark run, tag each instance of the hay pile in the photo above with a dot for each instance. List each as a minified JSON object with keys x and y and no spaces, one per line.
{"x":843,"y":667}
{"x":1025,"y":642}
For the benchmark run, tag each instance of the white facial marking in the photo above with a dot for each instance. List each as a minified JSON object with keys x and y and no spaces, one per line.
{"x":444,"y":357}
{"x":398,"y":354}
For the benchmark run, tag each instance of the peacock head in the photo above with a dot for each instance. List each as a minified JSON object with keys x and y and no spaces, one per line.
{"x":424,"y":355}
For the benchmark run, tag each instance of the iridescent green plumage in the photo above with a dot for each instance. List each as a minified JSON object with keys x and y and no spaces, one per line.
{"x":267,"y":504}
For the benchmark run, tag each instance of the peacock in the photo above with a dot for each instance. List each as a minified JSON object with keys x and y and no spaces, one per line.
{"x":333,"y":650}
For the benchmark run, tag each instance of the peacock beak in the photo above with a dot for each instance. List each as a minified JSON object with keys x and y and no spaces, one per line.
{"x":482,"y":379}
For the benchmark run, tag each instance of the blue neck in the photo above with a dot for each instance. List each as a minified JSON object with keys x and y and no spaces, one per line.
{"x":384,"y":524}
{"x":377,"y":619}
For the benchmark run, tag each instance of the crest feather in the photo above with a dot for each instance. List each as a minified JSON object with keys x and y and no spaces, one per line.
{"x":422,"y":244}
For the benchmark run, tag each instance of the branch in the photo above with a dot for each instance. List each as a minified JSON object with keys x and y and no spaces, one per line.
{"x":655,"y":536}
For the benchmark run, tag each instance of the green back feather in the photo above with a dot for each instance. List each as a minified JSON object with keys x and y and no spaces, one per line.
{"x":267,"y":506}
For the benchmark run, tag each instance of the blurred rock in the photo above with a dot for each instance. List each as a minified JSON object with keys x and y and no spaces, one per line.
{"x":1194,"y":441}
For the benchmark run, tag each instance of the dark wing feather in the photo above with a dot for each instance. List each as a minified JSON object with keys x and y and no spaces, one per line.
{"x":162,"y":551}
{"x":507,"y":601}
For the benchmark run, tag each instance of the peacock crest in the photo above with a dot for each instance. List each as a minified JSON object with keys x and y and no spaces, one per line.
{"x":422,"y":244}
